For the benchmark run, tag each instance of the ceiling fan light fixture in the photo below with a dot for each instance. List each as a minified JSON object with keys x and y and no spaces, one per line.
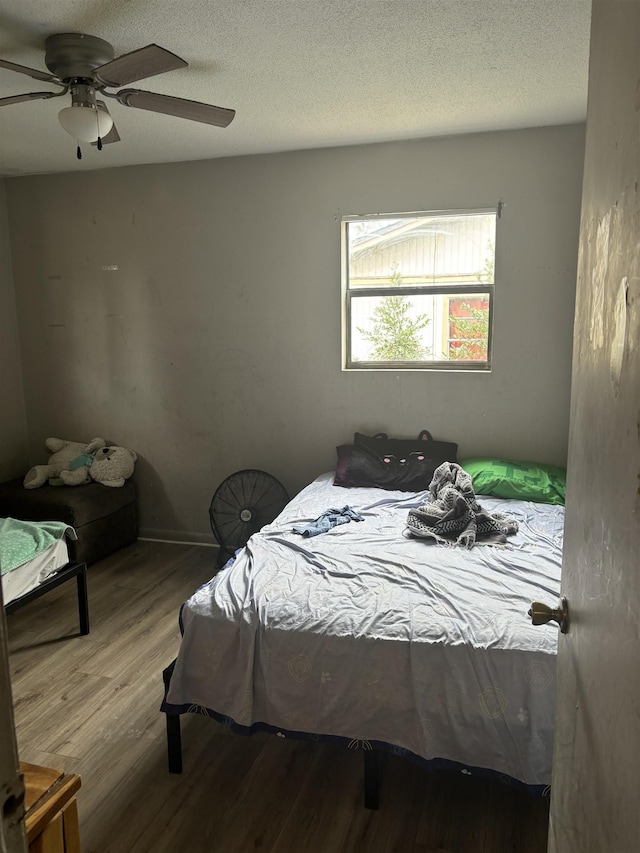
{"x":84,"y":122}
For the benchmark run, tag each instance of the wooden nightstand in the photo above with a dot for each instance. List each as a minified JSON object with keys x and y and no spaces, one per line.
{"x":51,"y":818}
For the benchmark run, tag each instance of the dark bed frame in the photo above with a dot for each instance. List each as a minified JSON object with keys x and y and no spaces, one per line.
{"x":73,"y":570}
{"x":372,"y":757}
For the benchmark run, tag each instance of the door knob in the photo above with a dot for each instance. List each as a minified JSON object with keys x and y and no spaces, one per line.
{"x":541,"y":614}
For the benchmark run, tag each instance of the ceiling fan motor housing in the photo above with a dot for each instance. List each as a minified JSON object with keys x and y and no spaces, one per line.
{"x":71,"y":55}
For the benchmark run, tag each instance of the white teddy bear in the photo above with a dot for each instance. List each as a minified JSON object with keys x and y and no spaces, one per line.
{"x":73,"y":463}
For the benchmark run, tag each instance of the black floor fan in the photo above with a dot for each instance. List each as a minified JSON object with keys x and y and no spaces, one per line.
{"x":241,"y":505}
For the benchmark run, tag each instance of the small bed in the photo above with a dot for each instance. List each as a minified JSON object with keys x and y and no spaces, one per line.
{"x":381,"y":640}
{"x":34,"y":559}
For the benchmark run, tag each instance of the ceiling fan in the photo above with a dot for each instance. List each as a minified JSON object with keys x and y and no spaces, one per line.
{"x":84,"y":66}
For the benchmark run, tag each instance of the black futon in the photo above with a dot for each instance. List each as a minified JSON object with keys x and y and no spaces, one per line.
{"x":104,"y":518}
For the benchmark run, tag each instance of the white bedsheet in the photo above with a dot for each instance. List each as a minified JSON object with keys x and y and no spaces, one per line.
{"x":364,"y":634}
{"x":22,"y":580}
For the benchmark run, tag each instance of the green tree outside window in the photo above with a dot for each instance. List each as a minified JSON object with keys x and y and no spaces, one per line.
{"x":395,"y":335}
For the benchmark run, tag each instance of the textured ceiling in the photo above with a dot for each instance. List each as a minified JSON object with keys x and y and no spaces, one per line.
{"x":303,"y":73}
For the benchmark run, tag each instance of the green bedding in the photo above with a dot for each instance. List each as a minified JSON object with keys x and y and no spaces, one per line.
{"x":20,"y":541}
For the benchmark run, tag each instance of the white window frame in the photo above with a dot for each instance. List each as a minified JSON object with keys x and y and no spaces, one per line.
{"x":465,"y":289}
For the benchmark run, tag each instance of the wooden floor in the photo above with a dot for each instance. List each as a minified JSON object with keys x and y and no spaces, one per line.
{"x":91,"y":705}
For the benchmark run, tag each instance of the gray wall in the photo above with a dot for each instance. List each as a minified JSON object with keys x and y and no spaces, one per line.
{"x":215,"y":344}
{"x":13,"y":425}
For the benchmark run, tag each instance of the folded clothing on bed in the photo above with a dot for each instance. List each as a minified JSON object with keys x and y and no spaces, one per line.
{"x":454,"y":517}
{"x":20,"y":541}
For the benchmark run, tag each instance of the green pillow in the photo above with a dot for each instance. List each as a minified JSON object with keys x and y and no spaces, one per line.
{"x":525,"y":481}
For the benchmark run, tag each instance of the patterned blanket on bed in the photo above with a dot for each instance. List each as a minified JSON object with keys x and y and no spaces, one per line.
{"x":20,"y":541}
{"x":453,"y":516}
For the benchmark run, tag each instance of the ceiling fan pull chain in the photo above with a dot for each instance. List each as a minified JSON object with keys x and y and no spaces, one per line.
{"x":99,"y":140}
{"x":79,"y":153}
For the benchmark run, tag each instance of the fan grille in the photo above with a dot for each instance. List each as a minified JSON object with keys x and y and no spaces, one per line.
{"x":241,"y":505}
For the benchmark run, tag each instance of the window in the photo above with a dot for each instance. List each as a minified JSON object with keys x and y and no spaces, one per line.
{"x":418,"y":290}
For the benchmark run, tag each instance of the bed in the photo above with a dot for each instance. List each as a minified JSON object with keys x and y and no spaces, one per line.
{"x":34,"y":559}
{"x":380,"y":640}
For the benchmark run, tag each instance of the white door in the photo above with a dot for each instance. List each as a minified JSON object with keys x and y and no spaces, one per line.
{"x":595,"y":797}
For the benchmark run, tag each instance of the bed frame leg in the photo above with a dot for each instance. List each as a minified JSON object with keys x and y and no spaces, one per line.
{"x":83,"y":599}
{"x":371,"y":778}
{"x":174,"y":743}
{"x":174,"y":739}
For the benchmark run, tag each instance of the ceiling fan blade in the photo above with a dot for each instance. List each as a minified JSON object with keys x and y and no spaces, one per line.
{"x":31,"y":96}
{"x":113,"y":135}
{"x":30,"y":72}
{"x":179,"y":107}
{"x":137,"y":65}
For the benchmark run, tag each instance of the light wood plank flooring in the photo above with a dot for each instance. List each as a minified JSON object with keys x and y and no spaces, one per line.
{"x":90,"y":705}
